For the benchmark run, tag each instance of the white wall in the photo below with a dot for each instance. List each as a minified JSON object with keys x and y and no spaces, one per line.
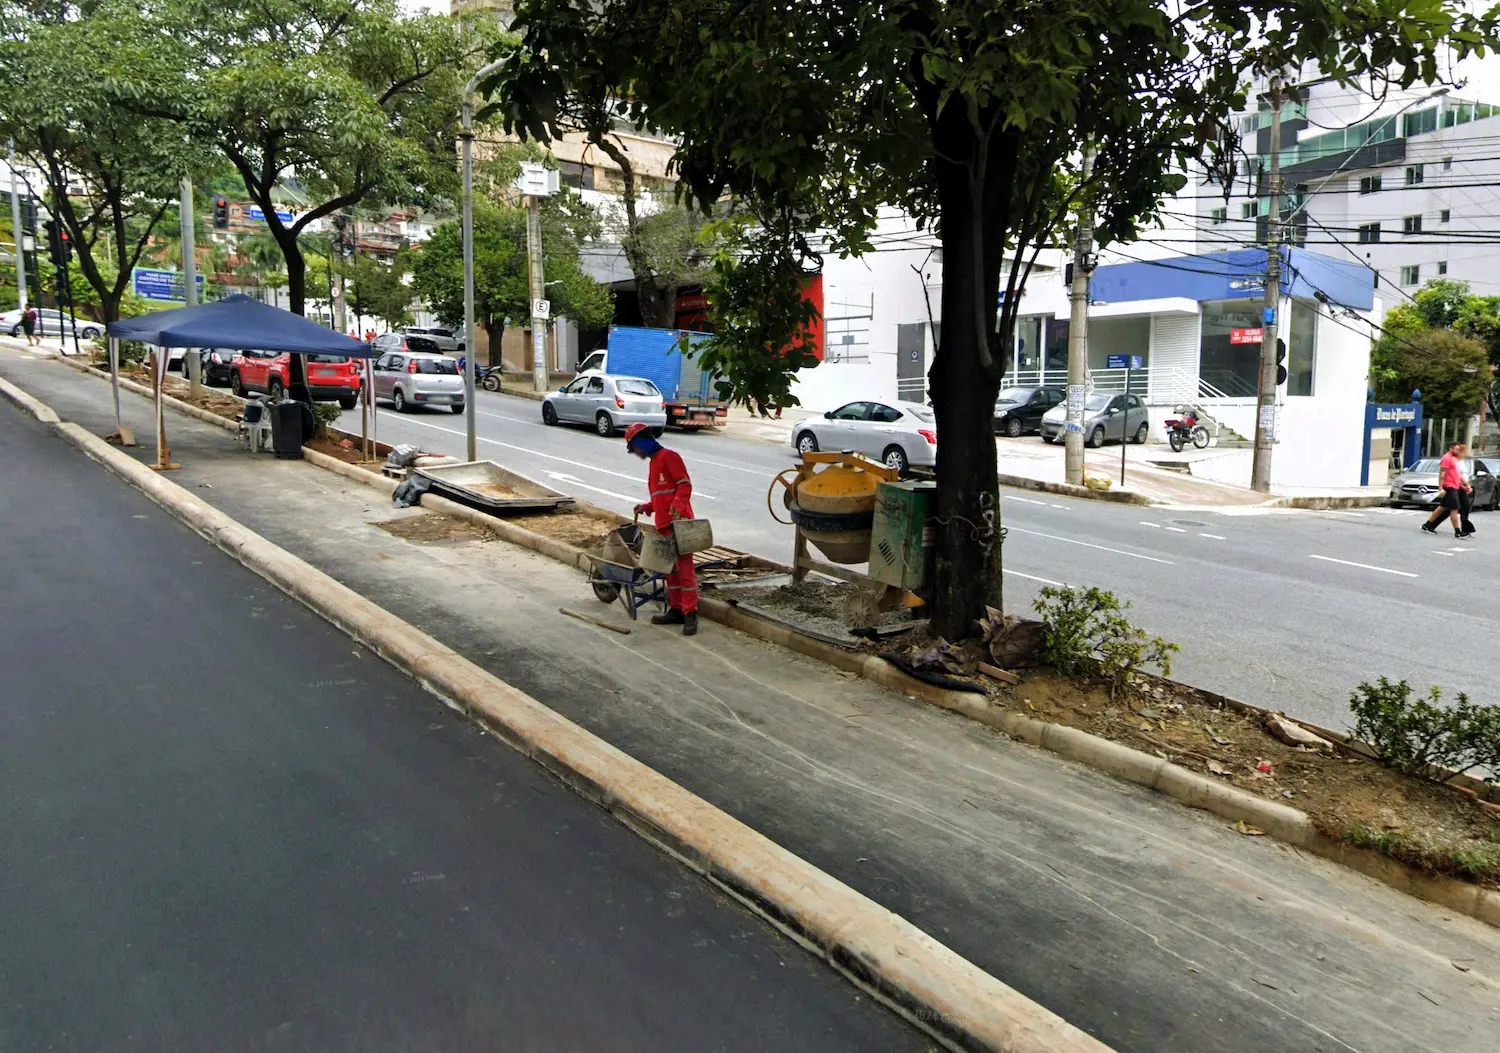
{"x":867,"y":298}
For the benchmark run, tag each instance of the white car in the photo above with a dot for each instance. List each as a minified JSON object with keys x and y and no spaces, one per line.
{"x":51,"y":322}
{"x":900,"y":435}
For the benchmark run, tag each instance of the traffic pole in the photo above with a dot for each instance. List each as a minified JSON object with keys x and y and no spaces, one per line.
{"x":466,"y":136}
{"x":1265,"y":401}
{"x":1078,"y":328}
{"x":190,"y":285}
{"x":540,"y":376}
{"x":20,"y":236}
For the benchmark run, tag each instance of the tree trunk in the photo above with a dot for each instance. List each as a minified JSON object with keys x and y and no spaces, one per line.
{"x":658,"y":310}
{"x":296,"y":291}
{"x":496,"y":334}
{"x":967,"y":574}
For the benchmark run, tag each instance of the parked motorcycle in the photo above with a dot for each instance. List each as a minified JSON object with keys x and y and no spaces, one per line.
{"x":1186,"y":429}
{"x":488,"y":377}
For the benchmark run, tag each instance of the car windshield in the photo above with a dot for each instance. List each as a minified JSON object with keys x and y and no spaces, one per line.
{"x":328,"y":360}
{"x":922,"y":413}
{"x":1431,"y":465}
{"x":636,"y":387}
{"x":1012,"y":395}
{"x":1097,"y":401}
{"x":437,"y":365}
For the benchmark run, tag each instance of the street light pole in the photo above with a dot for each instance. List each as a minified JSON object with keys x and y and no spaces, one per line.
{"x":20,"y":238}
{"x":1078,"y":327}
{"x":190,"y":284}
{"x":466,"y":135}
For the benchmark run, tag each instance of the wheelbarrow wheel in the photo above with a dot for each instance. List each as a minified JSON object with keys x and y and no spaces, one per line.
{"x":606,"y":592}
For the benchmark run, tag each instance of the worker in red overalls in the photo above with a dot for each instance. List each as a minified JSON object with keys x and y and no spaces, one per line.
{"x":671,"y":498}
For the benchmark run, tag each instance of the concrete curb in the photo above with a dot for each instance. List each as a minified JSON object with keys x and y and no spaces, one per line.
{"x":926,"y":982}
{"x":1316,"y":503}
{"x":40,"y":410}
{"x":1287,"y":824}
{"x":1124,"y":497}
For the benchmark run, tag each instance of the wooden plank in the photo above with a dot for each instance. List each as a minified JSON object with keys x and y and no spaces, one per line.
{"x":998,"y":673}
{"x":853,"y":577}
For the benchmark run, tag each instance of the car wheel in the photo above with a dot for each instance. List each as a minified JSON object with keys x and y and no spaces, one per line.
{"x":604,"y":425}
{"x":895,"y":457}
{"x":236,"y":385}
{"x":93,"y":334}
{"x":398,"y":400}
{"x":1140,"y":435}
{"x":273,"y":388}
{"x":348,"y":401}
{"x":657,"y":433}
{"x":15,"y":331}
{"x":1494,"y":505}
{"x":549,"y":415}
{"x":1048,"y":439}
{"x":1013,"y":427}
{"x":1096,"y":438}
{"x":807,"y":442}
{"x":457,"y":409}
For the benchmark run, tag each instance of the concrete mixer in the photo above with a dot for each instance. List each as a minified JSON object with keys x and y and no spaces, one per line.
{"x":831,"y":499}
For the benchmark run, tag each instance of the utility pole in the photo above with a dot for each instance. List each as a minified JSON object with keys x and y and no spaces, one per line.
{"x":15,"y":218}
{"x":1078,"y":325}
{"x":1265,"y":403}
{"x":190,"y":284}
{"x":540,"y":376}
{"x":466,"y":135}
{"x":339,"y":298}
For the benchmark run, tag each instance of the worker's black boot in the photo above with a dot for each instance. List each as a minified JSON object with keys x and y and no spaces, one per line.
{"x":672,"y":617}
{"x":690,"y":624}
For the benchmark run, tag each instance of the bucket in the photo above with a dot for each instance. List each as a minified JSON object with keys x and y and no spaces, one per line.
{"x":692,"y":535}
{"x":658,"y":551}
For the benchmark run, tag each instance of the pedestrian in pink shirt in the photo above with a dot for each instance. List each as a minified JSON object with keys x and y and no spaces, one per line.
{"x":1455,"y":490}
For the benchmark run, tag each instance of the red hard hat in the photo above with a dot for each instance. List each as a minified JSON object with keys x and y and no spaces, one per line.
{"x":633,"y":432}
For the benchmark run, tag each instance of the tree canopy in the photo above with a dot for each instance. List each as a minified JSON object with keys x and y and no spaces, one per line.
{"x":969,"y":114}
{"x":1446,"y":344}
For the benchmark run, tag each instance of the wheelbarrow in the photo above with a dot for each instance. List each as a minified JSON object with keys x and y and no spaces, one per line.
{"x":614,"y":579}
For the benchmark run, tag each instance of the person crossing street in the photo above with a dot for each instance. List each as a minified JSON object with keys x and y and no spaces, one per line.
{"x":671,"y":499}
{"x":1457,"y":493}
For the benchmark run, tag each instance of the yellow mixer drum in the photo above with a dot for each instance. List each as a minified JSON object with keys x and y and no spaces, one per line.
{"x":833,"y":502}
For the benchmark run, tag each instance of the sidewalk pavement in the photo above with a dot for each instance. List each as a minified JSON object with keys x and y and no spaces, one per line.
{"x":1153,"y":927}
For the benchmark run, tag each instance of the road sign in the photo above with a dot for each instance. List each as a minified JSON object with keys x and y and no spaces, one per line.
{"x":541,"y":309}
{"x":1125,"y":362}
{"x":285,"y":217}
{"x":161,"y":286}
{"x":1246,"y":336}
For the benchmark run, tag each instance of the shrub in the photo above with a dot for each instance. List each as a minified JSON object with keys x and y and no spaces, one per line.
{"x":1415,"y":736}
{"x":326,"y":413}
{"x":1085,"y":632}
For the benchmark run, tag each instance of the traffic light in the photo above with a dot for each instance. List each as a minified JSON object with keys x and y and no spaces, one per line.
{"x":1280,"y":361}
{"x":28,"y":216}
{"x":59,"y":250}
{"x":221,"y":213}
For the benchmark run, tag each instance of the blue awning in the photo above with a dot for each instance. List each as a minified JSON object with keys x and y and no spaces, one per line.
{"x":1236,"y":275}
{"x":238,"y":323}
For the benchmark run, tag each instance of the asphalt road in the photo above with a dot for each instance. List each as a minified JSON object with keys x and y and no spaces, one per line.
{"x":1288,"y":609}
{"x":225,"y":826}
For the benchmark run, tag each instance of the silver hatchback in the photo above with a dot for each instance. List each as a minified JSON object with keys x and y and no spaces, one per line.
{"x":608,"y":403}
{"x":410,"y":380}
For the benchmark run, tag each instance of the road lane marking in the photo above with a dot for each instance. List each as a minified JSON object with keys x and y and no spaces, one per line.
{"x":1090,"y":544}
{"x":1025,"y":500}
{"x":1176,"y":530}
{"x":560,"y":477}
{"x":1153,"y":526}
{"x":1216,"y":537}
{"x":1342,"y":512}
{"x":538,"y":453}
{"x":1060,"y":506}
{"x":1364,"y":566}
{"x":1033,"y":577}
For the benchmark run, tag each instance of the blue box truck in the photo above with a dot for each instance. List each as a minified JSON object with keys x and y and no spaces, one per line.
{"x":664,"y":357}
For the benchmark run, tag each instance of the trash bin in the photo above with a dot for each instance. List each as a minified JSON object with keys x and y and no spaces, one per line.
{"x":292,"y":423}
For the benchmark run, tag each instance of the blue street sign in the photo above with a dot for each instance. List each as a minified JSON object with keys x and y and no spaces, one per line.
{"x":1269,"y":316}
{"x":1124,"y":362}
{"x":161,"y":286}
{"x":1137,"y":362}
{"x":285,"y":217}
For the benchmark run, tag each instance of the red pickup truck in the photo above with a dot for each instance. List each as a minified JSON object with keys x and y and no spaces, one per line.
{"x":330,"y":378}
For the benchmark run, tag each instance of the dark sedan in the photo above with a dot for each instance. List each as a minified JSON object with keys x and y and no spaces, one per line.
{"x":1019,"y":410}
{"x":215,"y":365}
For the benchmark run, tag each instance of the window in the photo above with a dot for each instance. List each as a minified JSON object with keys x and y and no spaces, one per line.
{"x":1443,"y":216}
{"x":1448,"y":164}
{"x":853,"y":411}
{"x":1412,"y":225}
{"x":1420,"y":122}
{"x":441,"y":366}
{"x":1218,"y":216}
{"x":1376,"y":276}
{"x":1442,"y":267}
{"x":1369,"y":184}
{"x":1301,"y":348}
{"x":1414,"y":174}
{"x":1369,"y":233}
{"x":1249,"y":210}
{"x":595,"y":386}
{"x":1226,"y":362}
{"x":636,"y":387}
{"x":884,"y":414}
{"x":579,"y":177}
{"x":1411,"y":275}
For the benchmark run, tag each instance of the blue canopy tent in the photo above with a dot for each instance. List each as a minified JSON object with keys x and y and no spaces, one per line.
{"x":236,"y":323}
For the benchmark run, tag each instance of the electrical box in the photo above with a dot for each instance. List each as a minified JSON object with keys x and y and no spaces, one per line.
{"x":902,"y":536}
{"x":537,"y":180}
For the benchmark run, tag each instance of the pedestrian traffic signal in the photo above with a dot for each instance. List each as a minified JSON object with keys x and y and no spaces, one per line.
{"x":28,"y":216}
{"x":221,"y":213}
{"x":1280,"y":362}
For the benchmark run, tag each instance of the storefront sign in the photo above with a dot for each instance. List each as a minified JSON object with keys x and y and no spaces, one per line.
{"x":1246,"y":336}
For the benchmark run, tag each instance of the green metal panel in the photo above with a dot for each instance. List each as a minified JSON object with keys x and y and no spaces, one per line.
{"x":900,"y":540}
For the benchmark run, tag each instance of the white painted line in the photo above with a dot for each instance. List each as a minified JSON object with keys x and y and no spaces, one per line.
{"x":1025,"y":500}
{"x":548,"y":456}
{"x":1153,"y":526}
{"x":1060,"y":506}
{"x":1364,"y":566}
{"x":1459,"y":548}
{"x":1089,"y":544}
{"x":1342,"y":512}
{"x":1033,"y":577}
{"x":560,"y":477}
{"x":1216,"y":537}
{"x":1177,"y":530}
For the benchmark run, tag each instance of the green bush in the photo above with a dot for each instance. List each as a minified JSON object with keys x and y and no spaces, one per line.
{"x":1085,"y":632}
{"x":326,"y":413}
{"x":1416,"y":735}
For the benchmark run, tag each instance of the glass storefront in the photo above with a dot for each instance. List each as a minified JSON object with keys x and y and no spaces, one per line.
{"x":1231,"y":346}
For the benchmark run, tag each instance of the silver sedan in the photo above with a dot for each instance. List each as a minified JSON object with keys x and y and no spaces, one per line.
{"x":608,"y":403}
{"x":901,"y":435}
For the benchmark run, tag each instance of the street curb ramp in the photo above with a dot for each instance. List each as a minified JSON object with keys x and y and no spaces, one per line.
{"x":926,"y":982}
